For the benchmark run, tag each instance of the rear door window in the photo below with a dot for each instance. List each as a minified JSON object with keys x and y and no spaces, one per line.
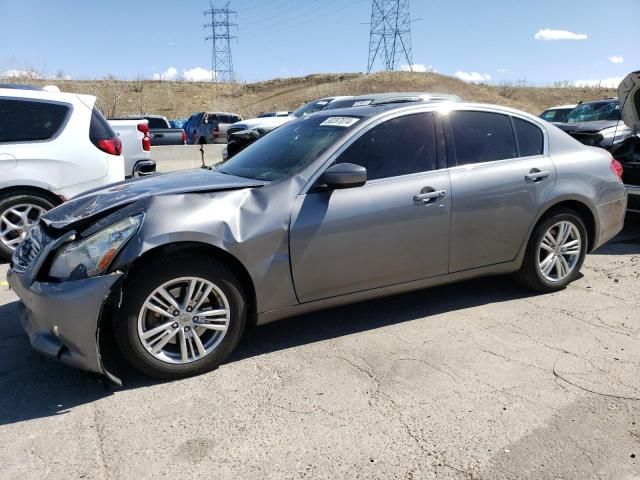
{"x":23,"y":120}
{"x":482,"y":137}
{"x":399,"y":146}
{"x":530,"y":138}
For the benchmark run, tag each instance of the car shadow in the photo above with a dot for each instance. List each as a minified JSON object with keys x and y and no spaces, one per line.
{"x":32,"y":386}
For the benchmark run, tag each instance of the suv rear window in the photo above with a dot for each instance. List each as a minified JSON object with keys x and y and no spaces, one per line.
{"x":24,"y":120}
{"x":482,"y":137}
{"x":99,"y":129}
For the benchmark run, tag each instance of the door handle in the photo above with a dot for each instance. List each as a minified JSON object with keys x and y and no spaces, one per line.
{"x":537,"y":175}
{"x":428,"y":196}
{"x":158,"y":135}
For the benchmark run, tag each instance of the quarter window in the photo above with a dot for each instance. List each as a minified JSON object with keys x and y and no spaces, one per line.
{"x":399,"y":146}
{"x":482,"y":137}
{"x":530,"y":139}
{"x":25,"y":121}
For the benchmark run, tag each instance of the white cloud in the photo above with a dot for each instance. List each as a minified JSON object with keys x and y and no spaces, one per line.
{"x":609,"y":82}
{"x":170,"y":73}
{"x":616,"y":59}
{"x":550,"y":34}
{"x":503,"y":70}
{"x":197,"y":74}
{"x":472,"y":77}
{"x":418,"y":67}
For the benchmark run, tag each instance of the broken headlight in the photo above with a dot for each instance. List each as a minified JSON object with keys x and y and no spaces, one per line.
{"x":91,"y":256}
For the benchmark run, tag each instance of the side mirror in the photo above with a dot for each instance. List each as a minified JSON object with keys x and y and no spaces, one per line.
{"x":344,"y":175}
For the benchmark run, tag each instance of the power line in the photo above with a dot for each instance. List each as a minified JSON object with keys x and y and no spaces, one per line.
{"x":221,"y":58}
{"x":390,"y":34}
{"x":297,"y":20}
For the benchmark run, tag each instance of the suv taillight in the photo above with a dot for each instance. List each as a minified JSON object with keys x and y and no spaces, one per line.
{"x":184,"y":137}
{"x":112,"y":146}
{"x":216,"y":131}
{"x":146,"y":141}
{"x":616,"y":167}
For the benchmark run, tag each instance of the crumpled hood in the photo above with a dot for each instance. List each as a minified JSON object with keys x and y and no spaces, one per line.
{"x":629,"y":97}
{"x":586,"y":127}
{"x":96,"y":203}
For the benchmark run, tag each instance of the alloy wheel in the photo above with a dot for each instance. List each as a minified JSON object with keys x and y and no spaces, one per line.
{"x":559,"y":251}
{"x":183,"y":320}
{"x":16,"y":221}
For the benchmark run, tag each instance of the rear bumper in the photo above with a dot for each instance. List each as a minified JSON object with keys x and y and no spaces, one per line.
{"x":610,"y":219}
{"x":61,"y":319}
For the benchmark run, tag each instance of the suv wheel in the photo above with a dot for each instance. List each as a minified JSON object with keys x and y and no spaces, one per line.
{"x":18,"y":212}
{"x":181,"y":315}
{"x":555,"y":252}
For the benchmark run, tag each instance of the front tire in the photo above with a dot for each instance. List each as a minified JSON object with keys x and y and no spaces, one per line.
{"x":181,"y":316}
{"x":19,"y":210}
{"x":555,"y":253}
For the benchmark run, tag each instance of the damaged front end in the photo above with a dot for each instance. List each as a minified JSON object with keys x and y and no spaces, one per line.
{"x":60,"y":318}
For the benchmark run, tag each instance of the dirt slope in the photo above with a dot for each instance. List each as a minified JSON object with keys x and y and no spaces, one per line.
{"x":179,"y":99}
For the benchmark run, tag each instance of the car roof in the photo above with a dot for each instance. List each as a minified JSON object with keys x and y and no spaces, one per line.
{"x":374,"y":110}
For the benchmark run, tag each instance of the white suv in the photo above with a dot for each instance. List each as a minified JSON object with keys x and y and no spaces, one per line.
{"x":53,"y":146}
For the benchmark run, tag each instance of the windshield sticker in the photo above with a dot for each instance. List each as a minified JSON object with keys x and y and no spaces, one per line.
{"x":362,"y":103}
{"x":339,"y":122}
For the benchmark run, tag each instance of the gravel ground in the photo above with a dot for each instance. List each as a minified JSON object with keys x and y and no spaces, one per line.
{"x":477,"y":380}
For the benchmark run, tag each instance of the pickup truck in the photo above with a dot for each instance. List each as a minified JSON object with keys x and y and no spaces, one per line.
{"x":210,"y":127}
{"x":136,"y":146}
{"x":160,"y":131}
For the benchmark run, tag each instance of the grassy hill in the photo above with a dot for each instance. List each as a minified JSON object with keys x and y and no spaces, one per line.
{"x":180,"y":99}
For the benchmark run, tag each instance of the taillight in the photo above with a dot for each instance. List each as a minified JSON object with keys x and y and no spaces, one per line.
{"x":112,"y":146}
{"x":184,"y":137}
{"x":146,"y":141}
{"x":216,"y":131}
{"x":616,"y":167}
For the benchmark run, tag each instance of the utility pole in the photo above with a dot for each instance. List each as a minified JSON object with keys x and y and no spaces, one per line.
{"x":221,"y":59}
{"x":390,"y":34}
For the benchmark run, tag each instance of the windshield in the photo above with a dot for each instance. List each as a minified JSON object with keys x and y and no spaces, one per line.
{"x":593,"y":111}
{"x":288,"y":149}
{"x":311,"y":107}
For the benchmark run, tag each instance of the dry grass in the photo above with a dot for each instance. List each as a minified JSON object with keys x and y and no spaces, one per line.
{"x":180,"y":99}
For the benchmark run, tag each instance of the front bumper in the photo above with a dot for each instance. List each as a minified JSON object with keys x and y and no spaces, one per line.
{"x":62,"y":319}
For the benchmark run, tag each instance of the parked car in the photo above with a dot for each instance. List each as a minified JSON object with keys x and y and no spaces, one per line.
{"x":597,"y":123}
{"x":273,"y":122}
{"x":273,"y":114}
{"x":136,"y":146}
{"x":337,"y":207}
{"x":558,"y":113}
{"x":210,"y":127}
{"x":53,"y":146}
{"x":238,"y":141}
{"x":628,"y":151}
{"x":160,"y":130}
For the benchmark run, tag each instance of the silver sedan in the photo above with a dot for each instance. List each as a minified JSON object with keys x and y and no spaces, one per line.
{"x":337,"y":207}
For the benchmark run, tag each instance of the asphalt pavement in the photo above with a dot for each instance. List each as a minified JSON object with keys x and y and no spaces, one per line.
{"x":478,"y":380}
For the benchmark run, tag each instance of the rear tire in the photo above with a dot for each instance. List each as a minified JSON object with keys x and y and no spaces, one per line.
{"x":175,"y":274}
{"x":555,"y":252}
{"x":17,"y":209}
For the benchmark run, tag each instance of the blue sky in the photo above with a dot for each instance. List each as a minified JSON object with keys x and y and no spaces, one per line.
{"x":491,"y":38}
